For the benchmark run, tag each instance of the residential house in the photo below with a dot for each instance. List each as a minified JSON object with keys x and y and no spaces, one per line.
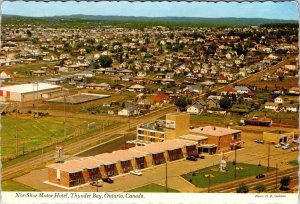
{"x":5,"y":76}
{"x":136,"y":88}
{"x":195,"y":109}
{"x":278,"y":100}
{"x":129,"y":110}
{"x":242,"y":89}
{"x":271,"y":106}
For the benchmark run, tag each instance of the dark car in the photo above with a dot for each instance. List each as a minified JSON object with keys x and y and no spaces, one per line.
{"x":107,"y":180}
{"x":199,"y":156}
{"x":258,"y":176}
{"x":191,"y":158}
{"x":259,"y":141}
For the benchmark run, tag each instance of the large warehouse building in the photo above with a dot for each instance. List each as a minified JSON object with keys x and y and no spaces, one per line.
{"x":30,"y":92}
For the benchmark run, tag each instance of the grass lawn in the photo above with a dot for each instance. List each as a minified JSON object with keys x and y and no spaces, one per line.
{"x":201,"y":181}
{"x":35,"y":133}
{"x":214,"y":118}
{"x":283,"y":117}
{"x":11,"y":185}
{"x":293,"y":162}
{"x":153,"y":188}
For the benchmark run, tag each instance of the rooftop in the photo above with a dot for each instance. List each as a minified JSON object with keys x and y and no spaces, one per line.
{"x":158,"y":125}
{"x":193,"y":137}
{"x":27,"y":88}
{"x":278,"y":131}
{"x":214,"y":131}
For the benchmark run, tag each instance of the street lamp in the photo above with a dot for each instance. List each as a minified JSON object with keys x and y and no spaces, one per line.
{"x":209,"y":176}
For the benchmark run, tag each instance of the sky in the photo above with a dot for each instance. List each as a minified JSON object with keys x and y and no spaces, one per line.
{"x":270,"y":10}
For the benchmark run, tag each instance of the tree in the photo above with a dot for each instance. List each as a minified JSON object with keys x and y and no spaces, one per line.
{"x":105,"y":61}
{"x":260,"y":188}
{"x":242,"y":188}
{"x":99,"y":47}
{"x":181,"y":102}
{"x":225,"y":103}
{"x":29,"y":33}
{"x":285,"y":182}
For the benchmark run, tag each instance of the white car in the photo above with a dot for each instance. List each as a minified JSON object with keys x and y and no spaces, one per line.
{"x":277,"y":146}
{"x":284,"y":147}
{"x":136,"y":172}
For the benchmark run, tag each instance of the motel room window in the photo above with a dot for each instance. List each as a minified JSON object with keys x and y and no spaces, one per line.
{"x":152,"y":133}
{"x":152,"y":139}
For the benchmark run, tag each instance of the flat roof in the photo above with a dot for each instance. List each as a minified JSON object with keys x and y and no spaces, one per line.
{"x":193,"y":137}
{"x":27,"y":88}
{"x":117,"y":156}
{"x":76,"y":165}
{"x":279,"y":131}
{"x":160,"y":147}
{"x":214,"y":131}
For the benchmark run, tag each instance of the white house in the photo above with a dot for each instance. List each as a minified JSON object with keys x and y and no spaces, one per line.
{"x":129,"y":110}
{"x":5,"y":75}
{"x":271,"y":106}
{"x":278,"y":100}
{"x":241,"y":89}
{"x":291,"y":108}
{"x":136,"y":88}
{"x":195,"y":109}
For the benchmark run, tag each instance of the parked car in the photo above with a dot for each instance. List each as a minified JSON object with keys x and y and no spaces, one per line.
{"x":285,"y":147}
{"x":136,"y":172}
{"x":107,"y":180}
{"x":295,"y":149}
{"x":258,"y":176}
{"x":282,"y":143}
{"x":277,"y":146}
{"x":200,"y":156}
{"x":259,"y":141}
{"x":95,"y":183}
{"x":191,"y":158}
{"x":296,"y":141}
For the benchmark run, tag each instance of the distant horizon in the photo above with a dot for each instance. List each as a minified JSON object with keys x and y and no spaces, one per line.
{"x":265,"y":10}
{"x":147,"y":16}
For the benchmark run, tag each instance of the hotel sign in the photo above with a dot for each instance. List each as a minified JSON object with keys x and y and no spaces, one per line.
{"x":170,"y":124}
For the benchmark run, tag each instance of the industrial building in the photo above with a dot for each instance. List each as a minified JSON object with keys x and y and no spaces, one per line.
{"x":30,"y":92}
{"x":277,"y":136}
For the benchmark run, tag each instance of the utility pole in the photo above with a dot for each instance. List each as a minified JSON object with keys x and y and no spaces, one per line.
{"x":235,"y":162}
{"x":65,"y":130}
{"x":268,"y":157}
{"x":166,"y":176}
{"x":276,"y":177}
{"x":208,"y":187}
{"x":16,"y":138}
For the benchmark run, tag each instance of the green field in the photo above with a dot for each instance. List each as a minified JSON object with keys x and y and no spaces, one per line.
{"x":214,"y":118}
{"x":278,"y":117}
{"x":36,"y":133}
{"x":153,"y":188}
{"x":11,"y":185}
{"x":293,"y":162}
{"x":200,"y":180}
